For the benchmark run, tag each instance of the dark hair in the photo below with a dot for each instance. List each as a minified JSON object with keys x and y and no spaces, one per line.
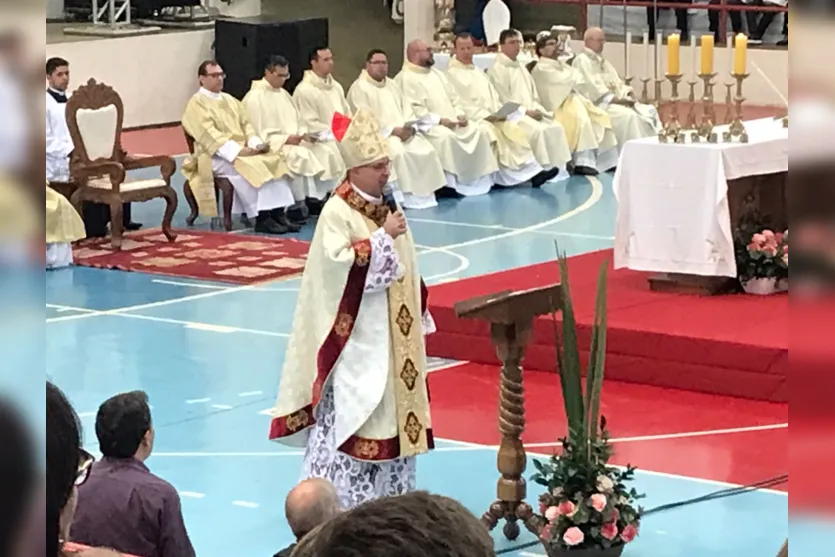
{"x":463,"y":36}
{"x":413,"y":525}
{"x":54,"y":63}
{"x":313,"y":55}
{"x":63,"y":454}
{"x":18,"y":473}
{"x":507,"y":34}
{"x":121,"y":423}
{"x":203,"y":68}
{"x":374,"y":51}
{"x":276,"y":61}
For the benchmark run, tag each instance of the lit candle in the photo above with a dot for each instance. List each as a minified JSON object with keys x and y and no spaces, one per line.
{"x":673,"y":65}
{"x":628,"y":59}
{"x":740,"y":52}
{"x":647,"y":54}
{"x":707,"y":54}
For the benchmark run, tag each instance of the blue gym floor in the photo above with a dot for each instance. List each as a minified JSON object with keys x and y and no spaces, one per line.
{"x":209,"y":356}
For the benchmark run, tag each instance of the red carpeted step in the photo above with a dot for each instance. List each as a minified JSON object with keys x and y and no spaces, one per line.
{"x":734,"y":345}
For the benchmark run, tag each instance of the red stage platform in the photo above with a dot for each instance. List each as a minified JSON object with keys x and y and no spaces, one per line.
{"x":734,"y":345}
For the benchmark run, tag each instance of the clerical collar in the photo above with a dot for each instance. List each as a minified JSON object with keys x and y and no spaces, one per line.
{"x":321,"y":82}
{"x":59,"y":96}
{"x":210,"y":94}
{"x":373,"y":81}
{"x":367,"y":205}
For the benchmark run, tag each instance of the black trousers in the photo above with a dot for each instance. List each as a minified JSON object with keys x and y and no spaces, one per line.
{"x":682,"y":21}
{"x":736,"y":19}
{"x":97,"y":215}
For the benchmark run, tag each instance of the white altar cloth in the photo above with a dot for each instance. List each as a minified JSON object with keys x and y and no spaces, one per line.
{"x":673,"y":214}
{"x":483,"y":60}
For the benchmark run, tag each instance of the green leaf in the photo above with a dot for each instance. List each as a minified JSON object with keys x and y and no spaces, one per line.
{"x":597,"y":357}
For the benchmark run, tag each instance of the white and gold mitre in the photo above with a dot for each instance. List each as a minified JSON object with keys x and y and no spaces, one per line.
{"x":360,"y":140}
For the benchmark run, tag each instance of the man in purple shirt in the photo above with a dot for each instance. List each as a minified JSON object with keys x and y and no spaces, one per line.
{"x":122,"y":505}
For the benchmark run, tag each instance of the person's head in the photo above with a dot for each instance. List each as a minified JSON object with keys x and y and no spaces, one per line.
{"x":19,"y":479}
{"x":321,"y":61}
{"x":371,"y":178}
{"x":309,"y":504}
{"x":547,"y":46}
{"x":510,"y":43}
{"x":377,"y":64}
{"x":58,"y":73}
{"x":594,"y":39}
{"x":64,"y":459}
{"x":211,"y":76}
{"x":123,"y":426}
{"x":416,"y":524}
{"x":277,"y":71}
{"x":419,"y":54}
{"x":463,"y":47}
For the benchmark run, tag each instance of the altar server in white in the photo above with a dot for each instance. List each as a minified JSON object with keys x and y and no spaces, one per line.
{"x":514,"y":83}
{"x":464,"y":147}
{"x":353,"y":388}
{"x":416,"y":169}
{"x":603,"y":86}
{"x":588,"y":128}
{"x":480,"y":101}
{"x":315,"y":166}
{"x":58,"y":141}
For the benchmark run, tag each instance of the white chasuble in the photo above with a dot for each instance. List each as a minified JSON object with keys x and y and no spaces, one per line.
{"x":416,"y":167}
{"x":586,"y":126}
{"x":479,"y":100}
{"x":514,"y":83}
{"x":465,"y":151}
{"x":603,"y":86}
{"x":353,"y":387}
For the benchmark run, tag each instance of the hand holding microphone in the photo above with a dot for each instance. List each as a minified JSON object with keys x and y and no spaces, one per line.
{"x":395,"y":224}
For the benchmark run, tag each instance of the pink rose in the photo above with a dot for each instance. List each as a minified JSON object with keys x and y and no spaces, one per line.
{"x":630,"y":532}
{"x":573,"y":536}
{"x":546,"y":534}
{"x":779,"y":237}
{"x":786,"y":249}
{"x":567,"y":508}
{"x":609,"y":530}
{"x":598,"y":502}
{"x":552,"y":513}
{"x":757,"y":240}
{"x":615,"y":515}
{"x":768,"y":234}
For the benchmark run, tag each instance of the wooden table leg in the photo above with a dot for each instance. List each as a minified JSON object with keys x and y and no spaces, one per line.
{"x":510,"y":341}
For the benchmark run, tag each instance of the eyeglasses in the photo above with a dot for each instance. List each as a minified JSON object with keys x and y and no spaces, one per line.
{"x":84,"y":467}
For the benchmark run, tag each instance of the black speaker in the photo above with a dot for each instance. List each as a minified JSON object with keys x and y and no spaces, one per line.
{"x":244,"y":45}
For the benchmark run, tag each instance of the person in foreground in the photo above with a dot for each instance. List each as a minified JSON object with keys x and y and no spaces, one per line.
{"x":309,"y":505}
{"x":353,"y":388}
{"x":417,"y":524}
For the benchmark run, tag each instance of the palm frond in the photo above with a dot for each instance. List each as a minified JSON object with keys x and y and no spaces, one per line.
{"x":597,"y":356}
{"x":570,"y":369}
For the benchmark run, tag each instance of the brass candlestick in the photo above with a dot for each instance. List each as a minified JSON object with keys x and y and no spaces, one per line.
{"x":705,"y":130}
{"x":645,"y":90}
{"x":728,"y":102}
{"x":657,"y":100}
{"x":692,"y":123}
{"x":672,"y":128}
{"x":737,"y":129}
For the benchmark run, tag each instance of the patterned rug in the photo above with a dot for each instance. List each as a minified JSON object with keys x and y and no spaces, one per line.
{"x":215,"y":256}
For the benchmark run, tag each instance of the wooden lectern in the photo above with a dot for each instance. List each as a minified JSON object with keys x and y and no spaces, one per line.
{"x":511,"y":316}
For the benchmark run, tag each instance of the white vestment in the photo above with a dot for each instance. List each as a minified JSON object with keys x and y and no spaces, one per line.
{"x":479,"y":99}
{"x":315,"y":168}
{"x":587,"y":127}
{"x":416,"y":169}
{"x":58,"y":141}
{"x":466,"y":152}
{"x":514,"y":83}
{"x":602,"y":85}
{"x":275,"y":194}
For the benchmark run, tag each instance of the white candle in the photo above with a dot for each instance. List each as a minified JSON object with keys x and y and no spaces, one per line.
{"x":647,"y":54}
{"x":693,"y":52}
{"x":730,"y":49}
{"x":628,"y":60}
{"x":659,"y":38}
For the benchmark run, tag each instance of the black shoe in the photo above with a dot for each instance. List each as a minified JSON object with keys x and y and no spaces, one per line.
{"x":266,"y":225}
{"x":447,"y":192}
{"x":281,"y":218}
{"x":544,"y":176}
{"x":314,"y":206}
{"x":296,"y":216}
{"x":132,"y":226}
{"x":585,"y":171}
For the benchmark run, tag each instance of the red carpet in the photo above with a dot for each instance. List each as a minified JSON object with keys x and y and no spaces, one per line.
{"x":215,"y":256}
{"x":733,"y":345}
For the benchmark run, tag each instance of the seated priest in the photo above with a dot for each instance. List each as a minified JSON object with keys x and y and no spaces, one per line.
{"x":226,"y":145}
{"x":481,"y":104}
{"x":514,"y":83}
{"x":464,"y":148}
{"x":63,"y":226}
{"x":314,"y":166}
{"x":318,"y":97}
{"x":603,"y":86}
{"x":416,"y":172}
{"x":587,"y":127}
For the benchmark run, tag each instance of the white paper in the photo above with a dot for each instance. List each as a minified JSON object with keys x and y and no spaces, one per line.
{"x":506,"y":110}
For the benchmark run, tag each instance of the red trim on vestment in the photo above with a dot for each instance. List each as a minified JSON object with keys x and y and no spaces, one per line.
{"x":378,"y":449}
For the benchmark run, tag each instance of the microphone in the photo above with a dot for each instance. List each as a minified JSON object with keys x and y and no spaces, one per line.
{"x":388,"y":198}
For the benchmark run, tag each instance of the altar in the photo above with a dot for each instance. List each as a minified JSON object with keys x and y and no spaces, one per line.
{"x":679,"y":204}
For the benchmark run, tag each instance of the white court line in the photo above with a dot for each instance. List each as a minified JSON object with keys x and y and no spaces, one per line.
{"x":247,"y":504}
{"x":217,"y":287}
{"x":192,"y":494}
{"x":198,"y":400}
{"x":683,"y":435}
{"x":502,"y":227}
{"x":222,"y":406}
{"x":596,"y":194}
{"x":251,"y":393}
{"x":442,"y":367}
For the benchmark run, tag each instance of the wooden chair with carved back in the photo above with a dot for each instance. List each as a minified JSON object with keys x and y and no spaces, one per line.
{"x":99,"y":165}
{"x":223,"y":188}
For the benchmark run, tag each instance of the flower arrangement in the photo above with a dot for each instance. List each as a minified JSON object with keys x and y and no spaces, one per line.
{"x":763,"y":255}
{"x":587,"y":504}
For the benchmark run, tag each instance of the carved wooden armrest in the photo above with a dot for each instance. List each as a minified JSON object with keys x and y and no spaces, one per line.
{"x":83,"y":172}
{"x":166,"y":164}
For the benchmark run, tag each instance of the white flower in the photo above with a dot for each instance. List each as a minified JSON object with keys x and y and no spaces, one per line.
{"x":605,"y":484}
{"x":556,"y":492}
